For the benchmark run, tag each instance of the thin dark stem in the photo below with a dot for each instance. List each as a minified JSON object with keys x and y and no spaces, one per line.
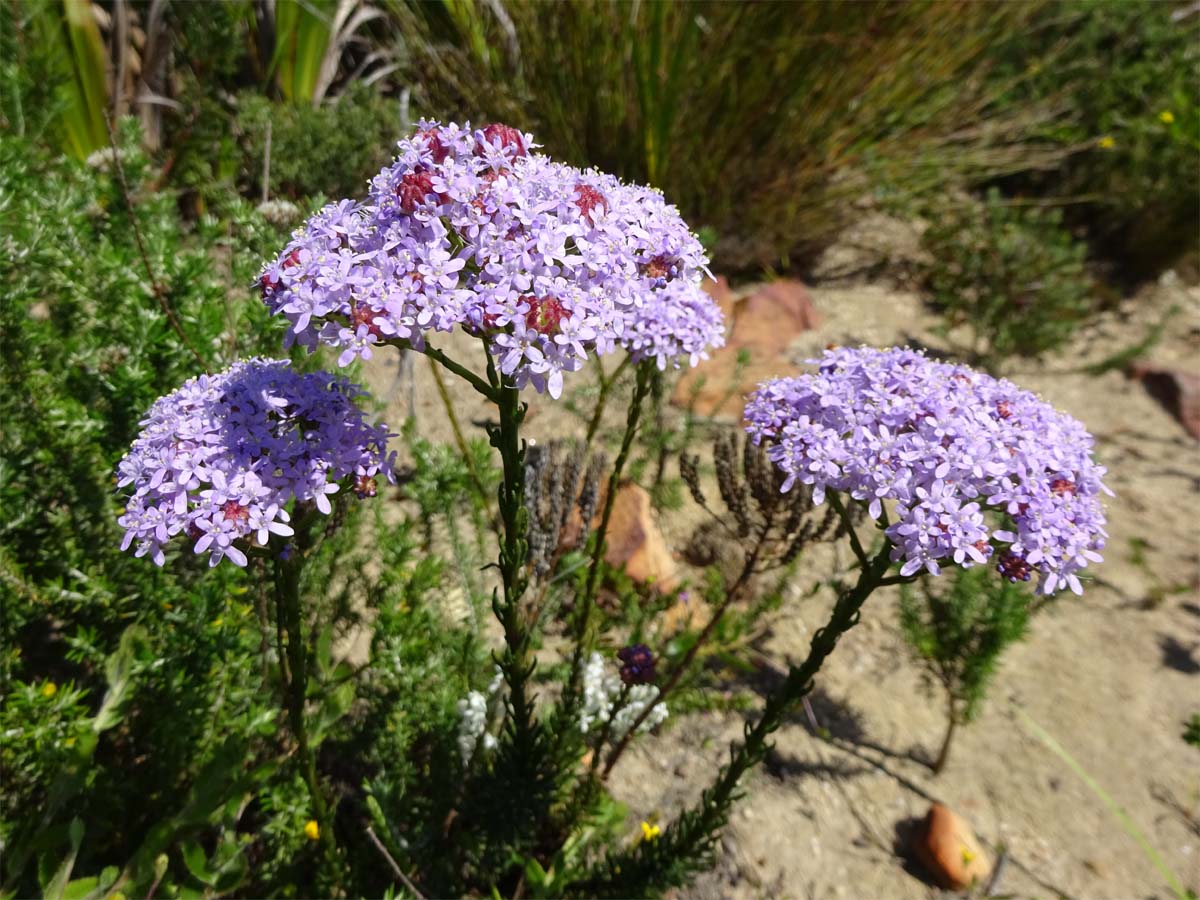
{"x":951,"y":725}
{"x":393,"y":865}
{"x":606,"y":386}
{"x":587,"y":600}
{"x":696,"y":830}
{"x":660,"y":426}
{"x":799,"y":682}
{"x":463,"y":372}
{"x":160,"y":293}
{"x":606,"y":731}
{"x":897,"y":579}
{"x":291,"y":636}
{"x":857,"y":547}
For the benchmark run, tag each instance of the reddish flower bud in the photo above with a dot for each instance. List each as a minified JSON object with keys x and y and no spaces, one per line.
{"x":437,"y":147}
{"x":414,"y":188}
{"x":588,"y":199}
{"x":1063,"y":487}
{"x":660,"y":266}
{"x":545,"y":314}
{"x":364,"y":486}
{"x":1014,"y":567}
{"x":235,"y":512}
{"x":638,"y":665}
{"x":365,"y":315}
{"x":509,"y":139}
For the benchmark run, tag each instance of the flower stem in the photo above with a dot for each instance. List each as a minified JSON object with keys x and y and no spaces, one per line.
{"x":515,"y":662}
{"x":462,"y":372}
{"x":293,"y":650}
{"x":459,"y":440}
{"x":799,"y":682}
{"x":951,"y":725}
{"x":732,"y":596}
{"x":606,"y":386}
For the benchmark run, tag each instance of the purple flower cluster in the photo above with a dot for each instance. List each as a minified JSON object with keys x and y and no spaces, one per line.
{"x":469,"y":228}
{"x":948,"y":445}
{"x":220,"y":459}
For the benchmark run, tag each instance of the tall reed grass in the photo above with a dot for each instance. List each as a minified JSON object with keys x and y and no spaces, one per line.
{"x":761,"y":121}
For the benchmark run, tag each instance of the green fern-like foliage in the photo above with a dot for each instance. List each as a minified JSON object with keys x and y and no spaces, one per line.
{"x":959,"y":629}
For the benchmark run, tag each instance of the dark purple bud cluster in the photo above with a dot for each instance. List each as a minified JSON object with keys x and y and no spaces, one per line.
{"x":637,"y":664}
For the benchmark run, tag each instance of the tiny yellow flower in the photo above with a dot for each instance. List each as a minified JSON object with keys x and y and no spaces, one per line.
{"x":1106,"y":142}
{"x":650,"y":832}
{"x":216,"y":623}
{"x":69,"y":742}
{"x":312,"y":830}
{"x":1166,"y":117}
{"x":49,"y":689}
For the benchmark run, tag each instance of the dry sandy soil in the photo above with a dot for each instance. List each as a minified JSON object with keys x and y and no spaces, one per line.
{"x":1112,"y":675}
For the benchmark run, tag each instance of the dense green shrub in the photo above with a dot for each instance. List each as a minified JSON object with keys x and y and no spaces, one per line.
{"x":220,"y":143}
{"x":1011,"y":273}
{"x":142,"y":734}
{"x":1125,"y":72}
{"x":89,"y":344}
{"x":125,"y":702}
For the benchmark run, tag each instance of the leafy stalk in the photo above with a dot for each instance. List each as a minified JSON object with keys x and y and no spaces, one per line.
{"x":515,"y":662}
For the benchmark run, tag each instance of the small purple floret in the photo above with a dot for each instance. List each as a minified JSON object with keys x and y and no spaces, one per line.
{"x":958,"y":453}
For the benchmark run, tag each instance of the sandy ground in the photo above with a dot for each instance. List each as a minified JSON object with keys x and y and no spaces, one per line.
{"x":1112,"y":675}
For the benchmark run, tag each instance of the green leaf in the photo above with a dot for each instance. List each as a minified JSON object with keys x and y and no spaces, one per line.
{"x":69,"y":33}
{"x":197,"y":863}
{"x":118,"y":670}
{"x":56,"y":889}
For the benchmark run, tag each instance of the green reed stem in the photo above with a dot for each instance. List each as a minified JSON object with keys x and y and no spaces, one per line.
{"x":606,"y":386}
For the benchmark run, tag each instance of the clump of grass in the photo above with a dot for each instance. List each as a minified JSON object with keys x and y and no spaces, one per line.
{"x":758,"y":120}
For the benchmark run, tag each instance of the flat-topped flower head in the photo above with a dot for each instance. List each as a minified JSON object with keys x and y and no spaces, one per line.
{"x":473,"y":230}
{"x":220,"y":460}
{"x":976,"y":467}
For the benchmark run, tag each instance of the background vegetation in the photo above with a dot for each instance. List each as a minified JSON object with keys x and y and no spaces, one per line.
{"x":137,"y":143}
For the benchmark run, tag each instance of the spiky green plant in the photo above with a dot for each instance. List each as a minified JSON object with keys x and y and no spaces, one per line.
{"x":958,"y":631}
